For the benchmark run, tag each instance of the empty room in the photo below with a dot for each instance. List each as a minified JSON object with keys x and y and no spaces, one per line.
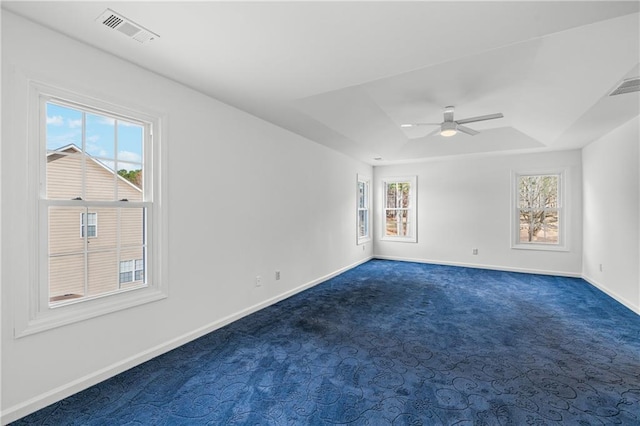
{"x":323,"y":213}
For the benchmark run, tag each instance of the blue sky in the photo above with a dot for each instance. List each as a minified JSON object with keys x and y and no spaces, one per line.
{"x":64,"y":127}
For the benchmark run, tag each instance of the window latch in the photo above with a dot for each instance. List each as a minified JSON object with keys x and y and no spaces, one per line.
{"x":124,"y":199}
{"x":77,"y":199}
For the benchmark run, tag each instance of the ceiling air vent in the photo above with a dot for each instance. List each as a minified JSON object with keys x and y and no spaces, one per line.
{"x":627,"y":86}
{"x":115,"y":21}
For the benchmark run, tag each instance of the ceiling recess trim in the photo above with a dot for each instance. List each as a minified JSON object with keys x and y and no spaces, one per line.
{"x":126,"y":26}
{"x":627,"y":86}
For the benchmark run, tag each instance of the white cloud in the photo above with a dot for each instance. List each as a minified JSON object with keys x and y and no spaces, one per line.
{"x":74,"y":123}
{"x":56,"y":120}
{"x":128,"y":156}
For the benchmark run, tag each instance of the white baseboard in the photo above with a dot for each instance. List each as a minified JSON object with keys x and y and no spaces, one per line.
{"x":481,"y":266}
{"x":25,"y":408}
{"x":633,"y":307}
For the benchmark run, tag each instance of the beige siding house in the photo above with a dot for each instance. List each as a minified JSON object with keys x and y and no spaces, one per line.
{"x":92,"y":250}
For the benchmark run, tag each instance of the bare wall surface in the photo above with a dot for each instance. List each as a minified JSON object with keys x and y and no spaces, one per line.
{"x":612,"y":214}
{"x":245,"y":198}
{"x":465,"y":203}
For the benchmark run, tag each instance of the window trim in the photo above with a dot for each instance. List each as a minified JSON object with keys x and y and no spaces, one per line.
{"x":37,"y":315}
{"x":563,"y":207}
{"x":367,"y":181}
{"x":413,"y":208}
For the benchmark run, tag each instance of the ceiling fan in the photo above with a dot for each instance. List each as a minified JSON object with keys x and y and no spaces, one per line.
{"x":450,"y":127}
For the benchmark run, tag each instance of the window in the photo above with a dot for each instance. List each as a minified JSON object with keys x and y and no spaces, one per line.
{"x":399,"y":205}
{"x":363,"y":210}
{"x":89,"y":222}
{"x":96,"y":163}
{"x":128,"y":273}
{"x":538,"y":217}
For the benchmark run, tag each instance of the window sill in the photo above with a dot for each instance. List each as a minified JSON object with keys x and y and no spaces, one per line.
{"x":539,"y":247}
{"x":57,"y":316}
{"x":400,"y":239}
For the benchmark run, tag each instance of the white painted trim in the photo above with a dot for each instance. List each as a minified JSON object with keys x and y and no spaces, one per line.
{"x":481,"y":266}
{"x":36,"y":403}
{"x":612,"y":294}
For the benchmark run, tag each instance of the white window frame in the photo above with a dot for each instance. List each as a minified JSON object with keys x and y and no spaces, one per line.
{"x":412,"y":237}
{"x":563,"y":207}
{"x":38,"y":314}
{"x":84,"y":226}
{"x":367,"y":209}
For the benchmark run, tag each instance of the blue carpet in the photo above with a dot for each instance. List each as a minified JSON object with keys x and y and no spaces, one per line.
{"x":393,"y":343}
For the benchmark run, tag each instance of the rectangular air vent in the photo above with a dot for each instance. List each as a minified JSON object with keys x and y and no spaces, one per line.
{"x":126,"y":26}
{"x":627,"y":86}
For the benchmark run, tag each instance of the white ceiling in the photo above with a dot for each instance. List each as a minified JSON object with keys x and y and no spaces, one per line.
{"x":347,"y":74}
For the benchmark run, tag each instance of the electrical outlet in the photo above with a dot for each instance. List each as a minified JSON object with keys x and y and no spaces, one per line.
{"x":475,"y":251}
{"x":601,"y":268}
{"x":277,"y":275}
{"x":258,"y":281}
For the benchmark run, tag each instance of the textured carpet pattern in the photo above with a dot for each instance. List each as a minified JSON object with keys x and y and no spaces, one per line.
{"x":393,"y":343}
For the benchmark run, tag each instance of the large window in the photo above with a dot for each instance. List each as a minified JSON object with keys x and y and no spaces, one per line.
{"x":94,"y":164}
{"x":97,"y":169}
{"x":399,"y":209}
{"x":363,"y":210}
{"x":538,"y":211}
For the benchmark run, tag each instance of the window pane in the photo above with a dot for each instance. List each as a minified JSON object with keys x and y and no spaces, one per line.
{"x":538,"y":191}
{"x":549,"y":231}
{"x":133,"y":258}
{"x":130,"y":182}
{"x":403,"y":216}
{"x":102,"y":267}
{"x":363,"y":223}
{"x":404,"y":189}
{"x":105,"y":229}
{"x":130,"y":164}
{"x":391,"y":224}
{"x":63,"y":127}
{"x":391,"y":195}
{"x":132,"y":227}
{"x":65,"y":230}
{"x":539,"y":226}
{"x":100,"y":138}
{"x":64,"y":174}
{"x":66,"y":277}
{"x":361,"y":195}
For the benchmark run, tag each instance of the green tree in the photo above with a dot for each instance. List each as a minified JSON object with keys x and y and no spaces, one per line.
{"x":133,"y":176}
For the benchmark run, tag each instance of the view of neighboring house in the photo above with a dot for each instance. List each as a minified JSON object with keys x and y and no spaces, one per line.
{"x":92,"y":250}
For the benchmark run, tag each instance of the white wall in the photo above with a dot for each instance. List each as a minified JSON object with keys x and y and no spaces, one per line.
{"x":292,"y":209}
{"x":612,"y":214}
{"x":465,"y":203}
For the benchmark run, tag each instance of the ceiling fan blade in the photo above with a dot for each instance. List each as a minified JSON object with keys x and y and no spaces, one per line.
{"x":448,"y":113}
{"x":480,"y":118}
{"x":407,"y":125}
{"x":466,"y":130}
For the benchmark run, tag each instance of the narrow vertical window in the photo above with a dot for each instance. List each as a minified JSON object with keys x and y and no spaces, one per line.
{"x":363,"y":210}
{"x":399,"y":209}
{"x":538,"y":211}
{"x":89,"y":225}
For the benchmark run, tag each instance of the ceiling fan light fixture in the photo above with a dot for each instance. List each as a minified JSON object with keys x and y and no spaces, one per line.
{"x":448,"y":129}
